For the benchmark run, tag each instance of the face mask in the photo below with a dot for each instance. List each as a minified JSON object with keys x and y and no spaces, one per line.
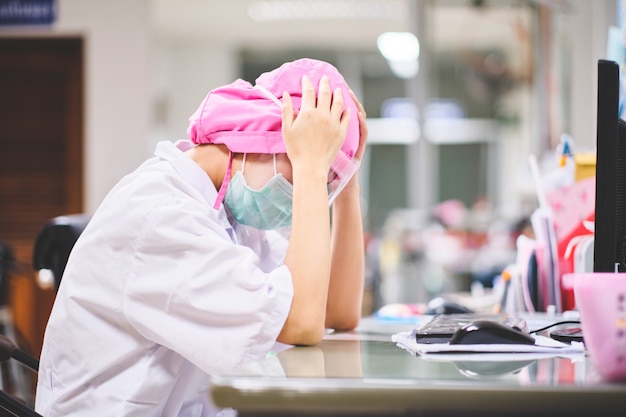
{"x":266,"y":209}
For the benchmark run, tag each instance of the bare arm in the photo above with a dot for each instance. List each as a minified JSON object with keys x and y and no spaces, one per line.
{"x":312,"y":139}
{"x":345,"y":293}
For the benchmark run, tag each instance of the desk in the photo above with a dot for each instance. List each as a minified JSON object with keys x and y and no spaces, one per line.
{"x":365,"y":374}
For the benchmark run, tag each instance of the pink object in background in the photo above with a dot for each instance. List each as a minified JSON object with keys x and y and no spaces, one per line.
{"x":571,"y":206}
{"x":601,"y":301}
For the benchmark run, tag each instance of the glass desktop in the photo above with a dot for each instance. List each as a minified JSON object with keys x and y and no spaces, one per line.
{"x":364,"y":373}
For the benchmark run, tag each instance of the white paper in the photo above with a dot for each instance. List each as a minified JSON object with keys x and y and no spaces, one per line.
{"x":544,"y":346}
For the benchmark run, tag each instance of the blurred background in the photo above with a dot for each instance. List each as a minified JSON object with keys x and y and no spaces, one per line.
{"x":458,"y":93}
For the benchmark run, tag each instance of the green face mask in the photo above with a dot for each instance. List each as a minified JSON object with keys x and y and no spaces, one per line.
{"x":267,"y":209}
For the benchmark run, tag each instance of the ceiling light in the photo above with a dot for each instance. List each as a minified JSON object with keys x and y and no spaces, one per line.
{"x":401,"y":50}
{"x":399,"y":46}
{"x":275,"y":10}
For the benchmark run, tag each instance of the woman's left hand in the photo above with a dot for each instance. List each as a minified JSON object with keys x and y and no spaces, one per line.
{"x":353,"y":184}
{"x":362,"y":127}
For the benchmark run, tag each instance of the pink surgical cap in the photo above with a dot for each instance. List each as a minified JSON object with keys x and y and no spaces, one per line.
{"x":247,"y":120}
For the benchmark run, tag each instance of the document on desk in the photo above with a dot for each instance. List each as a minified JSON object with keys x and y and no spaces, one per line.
{"x":544,"y":346}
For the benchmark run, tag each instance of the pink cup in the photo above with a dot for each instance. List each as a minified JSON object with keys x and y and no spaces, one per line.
{"x":601,"y":301}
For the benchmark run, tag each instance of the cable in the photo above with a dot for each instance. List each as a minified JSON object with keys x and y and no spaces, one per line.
{"x":558,"y":323}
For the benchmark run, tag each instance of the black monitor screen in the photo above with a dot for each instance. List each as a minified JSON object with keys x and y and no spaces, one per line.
{"x":609,"y":239}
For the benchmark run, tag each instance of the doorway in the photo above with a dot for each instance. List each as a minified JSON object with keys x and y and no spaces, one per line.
{"x":41,"y":161}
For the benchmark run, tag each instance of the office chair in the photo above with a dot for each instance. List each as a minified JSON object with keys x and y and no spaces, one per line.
{"x":51,"y":251}
{"x":54,"y":244}
{"x":13,"y":377}
{"x":7,"y":264}
{"x":10,"y":405}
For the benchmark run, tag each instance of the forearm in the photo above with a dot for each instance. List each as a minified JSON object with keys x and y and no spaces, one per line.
{"x":312,"y":140}
{"x":308,"y":259}
{"x":345,"y":292}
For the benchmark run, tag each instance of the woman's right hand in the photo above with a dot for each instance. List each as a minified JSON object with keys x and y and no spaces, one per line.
{"x":312,"y":139}
{"x":315,"y":134}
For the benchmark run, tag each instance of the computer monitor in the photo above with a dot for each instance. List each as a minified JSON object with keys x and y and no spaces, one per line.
{"x":610,"y":210}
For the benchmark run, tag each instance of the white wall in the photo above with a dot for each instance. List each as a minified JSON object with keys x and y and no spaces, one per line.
{"x":183,"y":73}
{"x":126,"y":71}
{"x":117,"y":101}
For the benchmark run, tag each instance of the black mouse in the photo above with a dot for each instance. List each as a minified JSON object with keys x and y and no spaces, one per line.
{"x":489,"y":332}
{"x":440,"y":305}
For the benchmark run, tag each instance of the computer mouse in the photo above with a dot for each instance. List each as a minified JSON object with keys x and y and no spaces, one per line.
{"x":440,"y":305}
{"x":489,"y":332}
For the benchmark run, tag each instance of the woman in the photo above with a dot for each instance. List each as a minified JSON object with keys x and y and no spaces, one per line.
{"x":184,"y":270}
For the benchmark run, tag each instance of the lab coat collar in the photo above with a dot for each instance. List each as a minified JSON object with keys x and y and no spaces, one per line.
{"x":192,"y":173}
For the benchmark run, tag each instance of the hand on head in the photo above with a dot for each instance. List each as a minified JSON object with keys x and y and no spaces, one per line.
{"x":362,"y":127}
{"x":353,"y":183}
{"x":314,"y":136}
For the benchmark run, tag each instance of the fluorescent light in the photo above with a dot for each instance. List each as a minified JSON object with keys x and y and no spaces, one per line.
{"x":276,"y":10}
{"x":399,"y":46}
{"x":401,"y":50}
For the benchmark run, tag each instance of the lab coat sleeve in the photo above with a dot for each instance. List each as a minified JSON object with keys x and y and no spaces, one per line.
{"x":192,"y":290}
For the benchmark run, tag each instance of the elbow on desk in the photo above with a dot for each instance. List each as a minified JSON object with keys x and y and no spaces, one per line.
{"x":343,"y":316}
{"x":309,"y":335}
{"x":344,"y":323}
{"x":301,"y":334}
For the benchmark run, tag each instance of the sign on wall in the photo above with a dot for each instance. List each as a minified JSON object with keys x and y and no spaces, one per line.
{"x":27,"y":12}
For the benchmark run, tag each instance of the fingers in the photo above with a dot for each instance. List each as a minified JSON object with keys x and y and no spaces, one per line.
{"x":314,"y":132}
{"x":362,"y":126}
{"x":337,"y":106}
{"x":362,"y":116}
{"x":324,"y":96}
{"x":325,"y":99}
{"x":308,"y":94}
{"x":359,"y":106}
{"x":363,"y":133}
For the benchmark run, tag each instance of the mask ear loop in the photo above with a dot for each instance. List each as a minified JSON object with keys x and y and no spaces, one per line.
{"x":269,"y":95}
{"x":225,"y":181}
{"x":272,"y":97}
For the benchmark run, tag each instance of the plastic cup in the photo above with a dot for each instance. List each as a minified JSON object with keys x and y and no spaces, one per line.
{"x":601,"y":302}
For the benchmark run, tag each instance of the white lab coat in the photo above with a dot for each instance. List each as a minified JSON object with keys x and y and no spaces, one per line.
{"x":159,"y":293}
